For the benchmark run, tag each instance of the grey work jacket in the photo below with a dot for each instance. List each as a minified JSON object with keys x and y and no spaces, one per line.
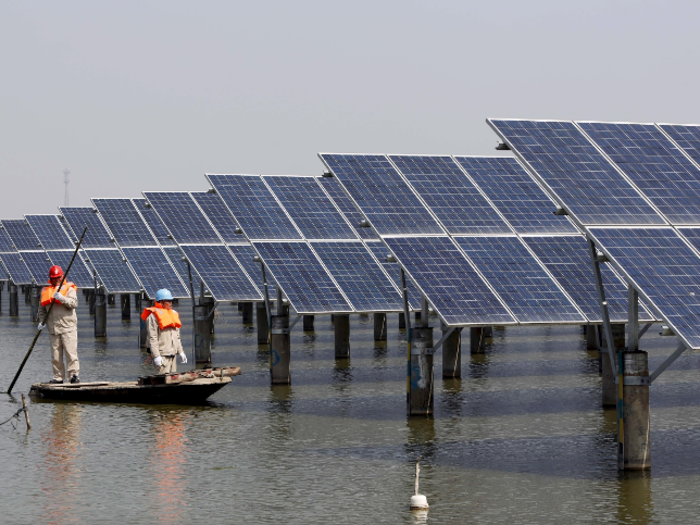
{"x":163,"y":342}
{"x":63,"y":318}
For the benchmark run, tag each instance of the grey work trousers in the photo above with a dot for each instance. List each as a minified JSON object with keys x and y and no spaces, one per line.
{"x":169,"y":365}
{"x":64,"y":344}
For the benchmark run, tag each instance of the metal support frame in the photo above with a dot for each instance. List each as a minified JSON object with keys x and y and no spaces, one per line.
{"x":603,"y":305}
{"x":444,"y":337}
{"x":669,"y":360}
{"x":644,"y":330}
{"x":632,"y":319}
{"x":288,"y":330}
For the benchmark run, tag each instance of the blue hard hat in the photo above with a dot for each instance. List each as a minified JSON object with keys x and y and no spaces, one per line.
{"x":164,"y":295}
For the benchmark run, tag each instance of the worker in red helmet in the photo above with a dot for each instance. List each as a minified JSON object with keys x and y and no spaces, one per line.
{"x":62,"y":324}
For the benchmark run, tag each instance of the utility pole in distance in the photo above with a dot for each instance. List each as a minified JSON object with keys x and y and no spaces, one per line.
{"x":66,"y":180}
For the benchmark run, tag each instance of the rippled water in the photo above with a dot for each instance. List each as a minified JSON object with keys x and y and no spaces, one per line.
{"x":521,"y":438}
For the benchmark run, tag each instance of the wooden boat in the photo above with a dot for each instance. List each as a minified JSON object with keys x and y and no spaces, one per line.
{"x":184,"y":388}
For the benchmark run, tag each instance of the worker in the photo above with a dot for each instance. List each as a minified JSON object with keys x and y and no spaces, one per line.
{"x":62,"y":323}
{"x":164,"y":332}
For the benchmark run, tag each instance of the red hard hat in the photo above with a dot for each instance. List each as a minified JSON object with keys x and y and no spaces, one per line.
{"x":55,"y":271}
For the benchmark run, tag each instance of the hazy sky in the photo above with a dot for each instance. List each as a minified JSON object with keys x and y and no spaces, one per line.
{"x":150,"y":95}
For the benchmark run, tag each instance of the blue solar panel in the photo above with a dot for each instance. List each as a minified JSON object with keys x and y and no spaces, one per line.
{"x":112,"y":270}
{"x":663,"y":268}
{"x":654,"y":164}
{"x":359,"y":276}
{"x":305,"y":282}
{"x":687,"y":137}
{"x":220,"y":271}
{"x":455,"y":289}
{"x":154,"y":271}
{"x":380,"y":251}
{"x":311,"y":209}
{"x":16,"y":268}
{"x":38,"y":264}
{"x":49,"y":230}
{"x":96,"y":235}
{"x":254,"y":207}
{"x":451,"y":196}
{"x":216,"y":211}
{"x":79,"y":273}
{"x":381,"y":193}
{"x":525,"y":287}
{"x":245,"y":255}
{"x":182,"y":217}
{"x":4,"y":276}
{"x":5,"y":242}
{"x":576,"y":172}
{"x":21,"y":234}
{"x":158,"y":229}
{"x":175,"y":255}
{"x":335,"y":190}
{"x":124,"y":221}
{"x":519,"y":198}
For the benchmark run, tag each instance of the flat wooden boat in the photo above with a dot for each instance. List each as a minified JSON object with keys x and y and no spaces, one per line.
{"x":184,"y":388}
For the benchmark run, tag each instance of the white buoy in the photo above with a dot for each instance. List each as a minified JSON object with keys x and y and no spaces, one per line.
{"x":418,"y":501}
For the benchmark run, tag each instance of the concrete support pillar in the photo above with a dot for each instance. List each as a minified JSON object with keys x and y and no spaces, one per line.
{"x":143,"y":327}
{"x":402,"y":321}
{"x":100,"y":313}
{"x":488,"y":331}
{"x":126,"y":306}
{"x":137,"y":303}
{"x":342,"y":335}
{"x":14,"y":300}
{"x":91,"y":302}
{"x":609,"y":388}
{"x":308,"y":321}
{"x":110,"y":299}
{"x":477,"y":338}
{"x":202,"y":334}
{"x":452,"y":354}
{"x":420,"y":385}
{"x":591,"y":337}
{"x":380,"y":326}
{"x":34,"y":303}
{"x":636,"y":419}
{"x":263,"y":326}
{"x":2,"y":286}
{"x":247,"y":311}
{"x":280,"y":349}
{"x":26,"y":290}
{"x":240,"y":307}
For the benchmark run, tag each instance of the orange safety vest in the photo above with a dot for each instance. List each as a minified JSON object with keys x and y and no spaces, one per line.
{"x":166,"y":318}
{"x":48,"y":292}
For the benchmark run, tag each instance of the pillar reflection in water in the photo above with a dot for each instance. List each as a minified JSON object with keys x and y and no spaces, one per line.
{"x":168,"y":456}
{"x":635,"y":503}
{"x":61,"y":465}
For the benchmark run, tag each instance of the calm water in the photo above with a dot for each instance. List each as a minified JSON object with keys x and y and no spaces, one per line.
{"x":521,"y":438}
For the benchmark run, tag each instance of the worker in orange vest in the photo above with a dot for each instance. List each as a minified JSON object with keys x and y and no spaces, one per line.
{"x":164,"y":332}
{"x":62,"y":325}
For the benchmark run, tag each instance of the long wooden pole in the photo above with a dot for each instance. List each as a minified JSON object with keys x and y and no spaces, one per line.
{"x":38,"y":332}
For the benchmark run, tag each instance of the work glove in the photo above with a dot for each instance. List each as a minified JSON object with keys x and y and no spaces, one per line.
{"x":158,"y":361}
{"x":183,"y":358}
{"x":59,"y":297}
{"x":41,"y":326}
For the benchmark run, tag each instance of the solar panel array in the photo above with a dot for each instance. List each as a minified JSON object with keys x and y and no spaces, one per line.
{"x":29,"y":248}
{"x":347,"y":208}
{"x":218,"y":214}
{"x":12,"y":261}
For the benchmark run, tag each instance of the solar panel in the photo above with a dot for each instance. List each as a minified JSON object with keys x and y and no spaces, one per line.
{"x":256,"y":210}
{"x":49,"y":230}
{"x":113,"y":271}
{"x":158,"y":229}
{"x":4,"y":276}
{"x":457,"y":292}
{"x":218,"y":214}
{"x":523,"y":285}
{"x":380,"y":251}
{"x":21,"y":234}
{"x":576,"y":172}
{"x":311,"y":209}
{"x":182,"y":217}
{"x":381,"y":193}
{"x":221,"y":273}
{"x":175,"y":255}
{"x":245,"y":255}
{"x":336,"y":193}
{"x":5,"y":242}
{"x":654,"y":164}
{"x":76,"y":218}
{"x":663,"y":269}
{"x":457,"y":203}
{"x":519,"y":198}
{"x":357,"y":273}
{"x":154,"y":271}
{"x":16,"y":268}
{"x":687,"y":137}
{"x":124,"y":222}
{"x":306,"y":283}
{"x":38,"y":264}
{"x":79,"y":273}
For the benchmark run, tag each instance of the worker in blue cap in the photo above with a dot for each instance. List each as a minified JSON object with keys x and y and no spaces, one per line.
{"x":164,"y":332}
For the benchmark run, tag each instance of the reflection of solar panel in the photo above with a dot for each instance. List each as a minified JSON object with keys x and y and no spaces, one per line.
{"x":253,"y":206}
{"x":77,"y":218}
{"x":50,"y":232}
{"x":357,"y":273}
{"x":21,"y":234}
{"x":335,"y":190}
{"x":576,"y":172}
{"x":663,"y":269}
{"x":654,"y":164}
{"x":519,"y":199}
{"x":380,"y":251}
{"x":113,"y":271}
{"x":124,"y":222}
{"x":154,"y":270}
{"x":523,"y":285}
{"x":456,"y":202}
{"x":457,"y":292}
{"x":378,"y":189}
{"x":217,"y":212}
{"x":16,"y":268}
{"x":160,"y":232}
{"x":302,"y":277}
{"x":182,"y":217}
{"x":687,"y":137}
{"x":310,"y":208}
